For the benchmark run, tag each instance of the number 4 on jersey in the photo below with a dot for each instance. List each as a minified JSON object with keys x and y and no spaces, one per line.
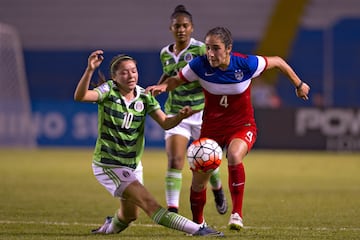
{"x":224,"y":101}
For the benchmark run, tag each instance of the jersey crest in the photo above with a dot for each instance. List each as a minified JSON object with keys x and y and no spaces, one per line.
{"x":188,"y":57}
{"x":139,"y":106}
{"x":239,"y":75}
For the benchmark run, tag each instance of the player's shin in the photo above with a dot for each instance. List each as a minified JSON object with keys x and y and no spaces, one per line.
{"x":237,"y":186}
{"x":197,"y":201}
{"x":173,"y":182}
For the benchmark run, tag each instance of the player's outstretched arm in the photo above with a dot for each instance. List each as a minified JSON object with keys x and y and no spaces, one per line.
{"x":167,"y":122}
{"x":167,"y":85}
{"x":301,"y":88}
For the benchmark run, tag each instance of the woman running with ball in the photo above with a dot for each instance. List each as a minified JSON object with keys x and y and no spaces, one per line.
{"x":225,"y":77}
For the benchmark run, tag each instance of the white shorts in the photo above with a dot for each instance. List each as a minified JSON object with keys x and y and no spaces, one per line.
{"x":189,"y":127}
{"x":116,"y":180}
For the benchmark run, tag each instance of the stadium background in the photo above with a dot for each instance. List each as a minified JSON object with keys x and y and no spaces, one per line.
{"x":319,"y":38}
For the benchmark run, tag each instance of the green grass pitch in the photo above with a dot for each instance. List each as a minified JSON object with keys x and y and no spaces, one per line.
{"x":52,"y":194}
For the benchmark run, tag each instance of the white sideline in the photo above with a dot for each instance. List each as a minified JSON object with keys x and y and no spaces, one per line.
{"x":156,"y":225}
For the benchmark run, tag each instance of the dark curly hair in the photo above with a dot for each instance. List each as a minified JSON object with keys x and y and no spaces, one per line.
{"x":180,"y":10}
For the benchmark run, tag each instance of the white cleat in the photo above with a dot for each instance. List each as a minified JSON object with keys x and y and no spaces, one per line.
{"x":236,"y":222}
{"x":104,"y":229}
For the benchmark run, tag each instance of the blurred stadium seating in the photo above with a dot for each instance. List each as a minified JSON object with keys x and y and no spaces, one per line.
{"x":58,"y":35}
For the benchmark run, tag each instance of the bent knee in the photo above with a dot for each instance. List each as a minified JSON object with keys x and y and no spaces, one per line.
{"x":198,"y":187}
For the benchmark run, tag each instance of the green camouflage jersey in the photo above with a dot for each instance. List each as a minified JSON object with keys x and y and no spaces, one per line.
{"x":121,"y":124}
{"x":190,"y":94}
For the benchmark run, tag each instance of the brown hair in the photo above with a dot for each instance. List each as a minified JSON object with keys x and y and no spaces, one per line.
{"x":114,"y":64}
{"x":223,"y":33}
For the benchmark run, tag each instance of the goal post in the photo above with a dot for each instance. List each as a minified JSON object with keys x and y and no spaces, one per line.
{"x":15,"y":106}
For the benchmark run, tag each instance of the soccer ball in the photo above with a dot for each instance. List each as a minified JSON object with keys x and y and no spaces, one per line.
{"x":204,"y":155}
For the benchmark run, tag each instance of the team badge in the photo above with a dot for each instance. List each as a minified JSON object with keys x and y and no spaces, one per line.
{"x":188,"y":57}
{"x":139,"y":106}
{"x":239,"y":74}
{"x":126,"y":174}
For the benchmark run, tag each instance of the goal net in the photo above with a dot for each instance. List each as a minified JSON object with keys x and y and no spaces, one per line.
{"x":15,"y":106}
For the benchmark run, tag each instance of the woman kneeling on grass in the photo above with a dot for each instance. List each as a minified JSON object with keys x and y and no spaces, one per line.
{"x":122,"y":109}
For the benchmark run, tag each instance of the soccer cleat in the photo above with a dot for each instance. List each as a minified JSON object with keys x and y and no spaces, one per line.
{"x":103,"y":229}
{"x":220,"y":201}
{"x":209,"y":232}
{"x":173,"y":209}
{"x":236,"y":222}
